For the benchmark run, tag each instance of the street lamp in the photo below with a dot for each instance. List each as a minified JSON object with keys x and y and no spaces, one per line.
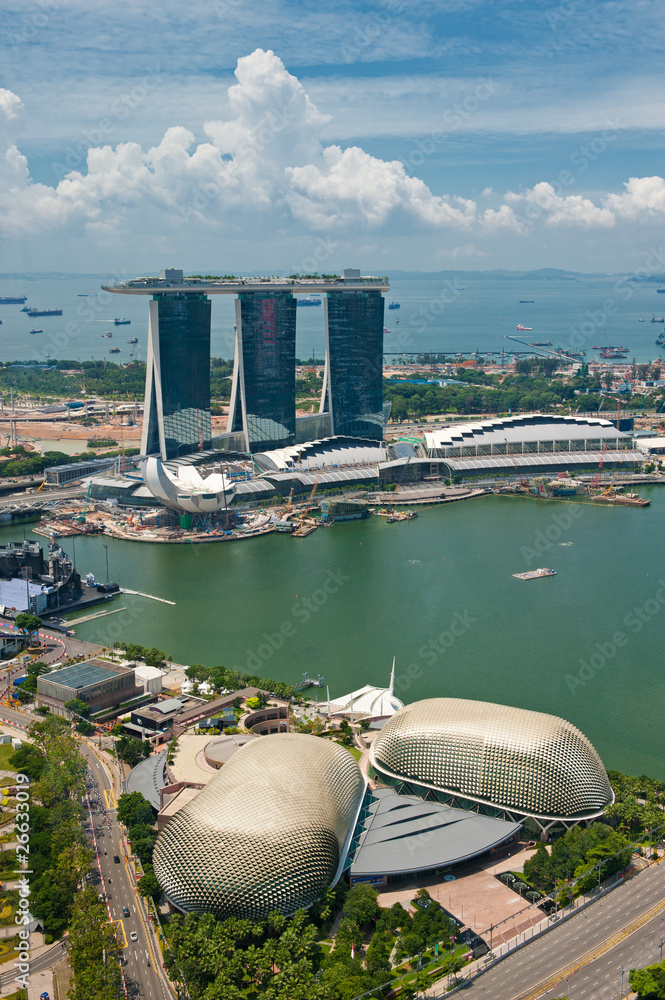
{"x":621,"y":994}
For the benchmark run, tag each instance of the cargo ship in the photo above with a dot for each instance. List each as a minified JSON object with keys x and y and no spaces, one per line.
{"x":13,"y":300}
{"x":44,"y":312}
{"x":613,"y":353}
{"x":122,"y":322}
{"x":656,"y":319}
{"x":521,"y":328}
{"x":344,"y":510}
{"x":541,"y":343}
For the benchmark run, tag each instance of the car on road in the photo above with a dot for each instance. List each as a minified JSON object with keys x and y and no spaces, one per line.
{"x":133,"y":936}
{"x":116,"y":859}
{"x":125,"y":911}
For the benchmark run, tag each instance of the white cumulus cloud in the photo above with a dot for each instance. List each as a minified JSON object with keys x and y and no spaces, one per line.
{"x":264,"y":171}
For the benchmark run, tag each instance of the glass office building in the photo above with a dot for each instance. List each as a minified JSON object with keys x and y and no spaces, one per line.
{"x":177,"y":399}
{"x":353,"y":391}
{"x":263,"y":396}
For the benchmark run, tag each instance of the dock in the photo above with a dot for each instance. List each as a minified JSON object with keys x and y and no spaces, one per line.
{"x":139,"y":593}
{"x":535,"y":574}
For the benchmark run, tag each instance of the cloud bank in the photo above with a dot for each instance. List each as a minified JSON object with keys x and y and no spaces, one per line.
{"x":265,"y":169}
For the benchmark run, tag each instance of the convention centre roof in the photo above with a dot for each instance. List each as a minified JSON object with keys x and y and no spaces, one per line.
{"x":532,"y":427}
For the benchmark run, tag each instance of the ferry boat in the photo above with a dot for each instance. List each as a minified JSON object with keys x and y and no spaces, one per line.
{"x":520,"y":327}
{"x":12,"y":300}
{"x":309,"y":300}
{"x":394,"y":305}
{"x":44,"y":312}
{"x":122,"y":322}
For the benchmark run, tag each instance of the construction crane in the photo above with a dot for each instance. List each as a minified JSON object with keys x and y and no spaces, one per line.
{"x":316,"y":483}
{"x":596,"y":479}
{"x":289,"y":502}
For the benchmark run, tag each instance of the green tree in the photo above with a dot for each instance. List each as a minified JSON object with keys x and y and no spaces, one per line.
{"x":78,"y":707}
{"x":28,"y":623}
{"x":649,"y":983}
{"x":361,"y":903}
{"x":148,"y":886}
{"x":94,"y":951}
{"x":135,"y":810}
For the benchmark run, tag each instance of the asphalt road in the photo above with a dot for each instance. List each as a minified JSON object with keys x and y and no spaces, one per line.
{"x":569,"y":954}
{"x":116,"y":883}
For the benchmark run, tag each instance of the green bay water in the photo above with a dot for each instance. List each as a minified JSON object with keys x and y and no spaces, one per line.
{"x":437,"y":593}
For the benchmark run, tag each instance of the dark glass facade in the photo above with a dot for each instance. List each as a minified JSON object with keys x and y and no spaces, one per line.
{"x":181,"y":373}
{"x":267,"y":384}
{"x":355,"y":363}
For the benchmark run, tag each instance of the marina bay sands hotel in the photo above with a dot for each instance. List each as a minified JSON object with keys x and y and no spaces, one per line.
{"x":262,"y":412}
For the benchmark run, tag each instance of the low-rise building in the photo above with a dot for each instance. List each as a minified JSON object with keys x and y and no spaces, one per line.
{"x":100,"y":684}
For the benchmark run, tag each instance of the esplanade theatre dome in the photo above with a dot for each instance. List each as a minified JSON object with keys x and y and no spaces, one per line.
{"x":494,"y":759}
{"x":268,"y":832}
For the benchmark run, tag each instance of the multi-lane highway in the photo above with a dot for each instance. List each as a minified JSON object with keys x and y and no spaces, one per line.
{"x":115,"y":882}
{"x":583,"y":956}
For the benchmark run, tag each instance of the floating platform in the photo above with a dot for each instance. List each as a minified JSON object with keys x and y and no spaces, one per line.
{"x":535,"y":574}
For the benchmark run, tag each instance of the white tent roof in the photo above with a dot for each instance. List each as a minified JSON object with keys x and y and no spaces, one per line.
{"x":377,"y":702}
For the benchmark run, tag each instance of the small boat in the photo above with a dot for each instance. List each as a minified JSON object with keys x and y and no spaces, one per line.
{"x":394,"y":305}
{"x":612,"y":354}
{"x":81,"y":295}
{"x":520,"y":327}
{"x":660,"y":339}
{"x":657,"y":319}
{"x":526,"y":302}
{"x":386,"y":330}
{"x":122,"y":322}
{"x":107,"y":334}
{"x":541,"y":343}
{"x":114,"y":350}
{"x":36,"y":331}
{"x":134,"y":340}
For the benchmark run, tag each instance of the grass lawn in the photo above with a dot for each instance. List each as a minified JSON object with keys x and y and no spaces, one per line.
{"x":6,"y":751}
{"x":355,"y":751}
{"x":7,"y":953}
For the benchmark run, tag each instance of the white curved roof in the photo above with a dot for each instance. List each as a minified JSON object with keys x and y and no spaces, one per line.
{"x":181,"y":487}
{"x":530,"y":427}
{"x":375,"y":702}
{"x":509,"y":758}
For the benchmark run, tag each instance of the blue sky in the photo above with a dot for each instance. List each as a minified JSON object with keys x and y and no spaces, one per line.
{"x":394,"y":134}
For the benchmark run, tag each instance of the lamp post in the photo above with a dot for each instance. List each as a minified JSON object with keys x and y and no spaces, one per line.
{"x":106,"y":549}
{"x":621,"y":994}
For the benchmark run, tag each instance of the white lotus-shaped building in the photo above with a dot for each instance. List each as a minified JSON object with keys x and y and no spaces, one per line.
{"x":182,"y":488}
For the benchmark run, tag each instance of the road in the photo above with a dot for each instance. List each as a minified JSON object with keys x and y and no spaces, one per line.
{"x":115,"y":881}
{"x":586,"y":952}
{"x":29,"y":500}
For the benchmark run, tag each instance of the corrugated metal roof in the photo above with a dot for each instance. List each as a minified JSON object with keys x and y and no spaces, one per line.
{"x":543,"y":459}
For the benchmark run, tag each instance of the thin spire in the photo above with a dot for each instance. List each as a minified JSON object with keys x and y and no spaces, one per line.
{"x":391,"y":689}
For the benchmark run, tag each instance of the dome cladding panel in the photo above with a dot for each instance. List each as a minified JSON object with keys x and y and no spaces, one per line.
{"x":266,"y":832}
{"x":529,"y":761}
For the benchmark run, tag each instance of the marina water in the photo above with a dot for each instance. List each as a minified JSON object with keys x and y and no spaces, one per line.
{"x":438,"y":594}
